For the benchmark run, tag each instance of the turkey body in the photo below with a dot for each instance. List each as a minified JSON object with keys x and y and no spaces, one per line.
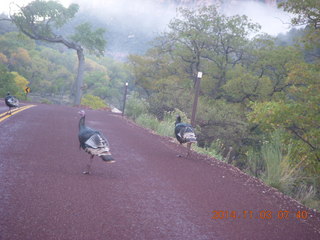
{"x":184,"y":132}
{"x":93,"y":142}
{"x":11,"y":102}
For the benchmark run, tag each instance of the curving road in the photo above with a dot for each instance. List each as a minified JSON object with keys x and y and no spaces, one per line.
{"x":148,"y":193}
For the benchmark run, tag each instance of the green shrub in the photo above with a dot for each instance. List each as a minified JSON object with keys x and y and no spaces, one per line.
{"x":148,"y":121}
{"x":135,"y":106}
{"x":7,"y":83}
{"x":166,"y":126}
{"x":166,"y":129}
{"x":163,"y":128}
{"x":93,"y":102}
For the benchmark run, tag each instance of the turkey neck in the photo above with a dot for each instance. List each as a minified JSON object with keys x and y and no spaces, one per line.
{"x":82,"y":123}
{"x":178,"y":120}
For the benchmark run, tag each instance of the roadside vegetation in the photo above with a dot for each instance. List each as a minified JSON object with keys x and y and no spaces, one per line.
{"x":259,"y":101}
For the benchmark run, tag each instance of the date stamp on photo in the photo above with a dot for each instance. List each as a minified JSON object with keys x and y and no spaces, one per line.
{"x":263,"y":214}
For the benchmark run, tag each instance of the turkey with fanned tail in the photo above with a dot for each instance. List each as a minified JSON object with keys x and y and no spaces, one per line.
{"x":11,"y":101}
{"x":184,"y":132}
{"x":93,"y":142}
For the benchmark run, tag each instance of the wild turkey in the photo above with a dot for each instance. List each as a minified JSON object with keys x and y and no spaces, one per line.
{"x":11,"y":102}
{"x":93,"y":142}
{"x":184,"y":133}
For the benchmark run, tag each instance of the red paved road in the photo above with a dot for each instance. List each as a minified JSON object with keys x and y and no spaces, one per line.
{"x":148,"y":193}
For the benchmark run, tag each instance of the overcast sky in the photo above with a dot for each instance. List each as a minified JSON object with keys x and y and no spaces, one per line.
{"x":273,"y":20}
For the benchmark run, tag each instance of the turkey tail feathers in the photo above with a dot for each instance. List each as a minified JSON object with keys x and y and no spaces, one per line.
{"x":190,"y":137}
{"x":107,"y":158}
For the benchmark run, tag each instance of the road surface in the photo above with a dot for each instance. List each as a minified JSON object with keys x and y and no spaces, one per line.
{"x":149,"y":193}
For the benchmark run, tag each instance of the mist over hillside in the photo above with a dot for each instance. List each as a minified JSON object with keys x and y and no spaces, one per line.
{"x":131,"y":25}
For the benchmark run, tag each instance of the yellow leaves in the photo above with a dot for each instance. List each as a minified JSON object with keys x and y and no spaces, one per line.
{"x":20,"y":57}
{"x":20,"y":81}
{"x":93,"y":102}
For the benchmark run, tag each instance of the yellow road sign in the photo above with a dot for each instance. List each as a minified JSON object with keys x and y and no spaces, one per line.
{"x":27,"y":89}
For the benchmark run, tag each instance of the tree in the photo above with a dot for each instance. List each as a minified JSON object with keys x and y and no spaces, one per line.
{"x":298,"y":112}
{"x":6,"y":25}
{"x":204,"y":40}
{"x":306,"y":13}
{"x":164,"y":82}
{"x":39,"y":19}
{"x":199,"y":40}
{"x":9,"y":42}
{"x":263,"y":72}
{"x":7,"y":83}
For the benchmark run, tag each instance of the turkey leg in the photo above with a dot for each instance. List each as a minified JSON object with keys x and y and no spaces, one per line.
{"x":89,"y":165}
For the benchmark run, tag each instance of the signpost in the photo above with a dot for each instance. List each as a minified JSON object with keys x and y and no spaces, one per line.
{"x":195,"y":104}
{"x":124,"y":98}
{"x":196,"y":96}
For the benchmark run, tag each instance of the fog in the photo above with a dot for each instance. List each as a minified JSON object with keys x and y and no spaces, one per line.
{"x":131,"y":24}
{"x":151,"y":16}
{"x":156,"y":14}
{"x":272,"y":20}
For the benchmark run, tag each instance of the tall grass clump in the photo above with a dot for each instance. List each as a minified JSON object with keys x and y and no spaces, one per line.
{"x":166,"y":126}
{"x":306,"y":194}
{"x":279,"y":170}
{"x":148,"y":121}
{"x":272,"y":155}
{"x":276,"y":166}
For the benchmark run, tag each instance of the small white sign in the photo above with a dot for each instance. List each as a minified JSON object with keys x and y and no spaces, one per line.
{"x":199,"y":74}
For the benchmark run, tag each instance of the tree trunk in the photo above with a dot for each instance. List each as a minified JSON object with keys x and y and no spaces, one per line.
{"x":79,"y":78}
